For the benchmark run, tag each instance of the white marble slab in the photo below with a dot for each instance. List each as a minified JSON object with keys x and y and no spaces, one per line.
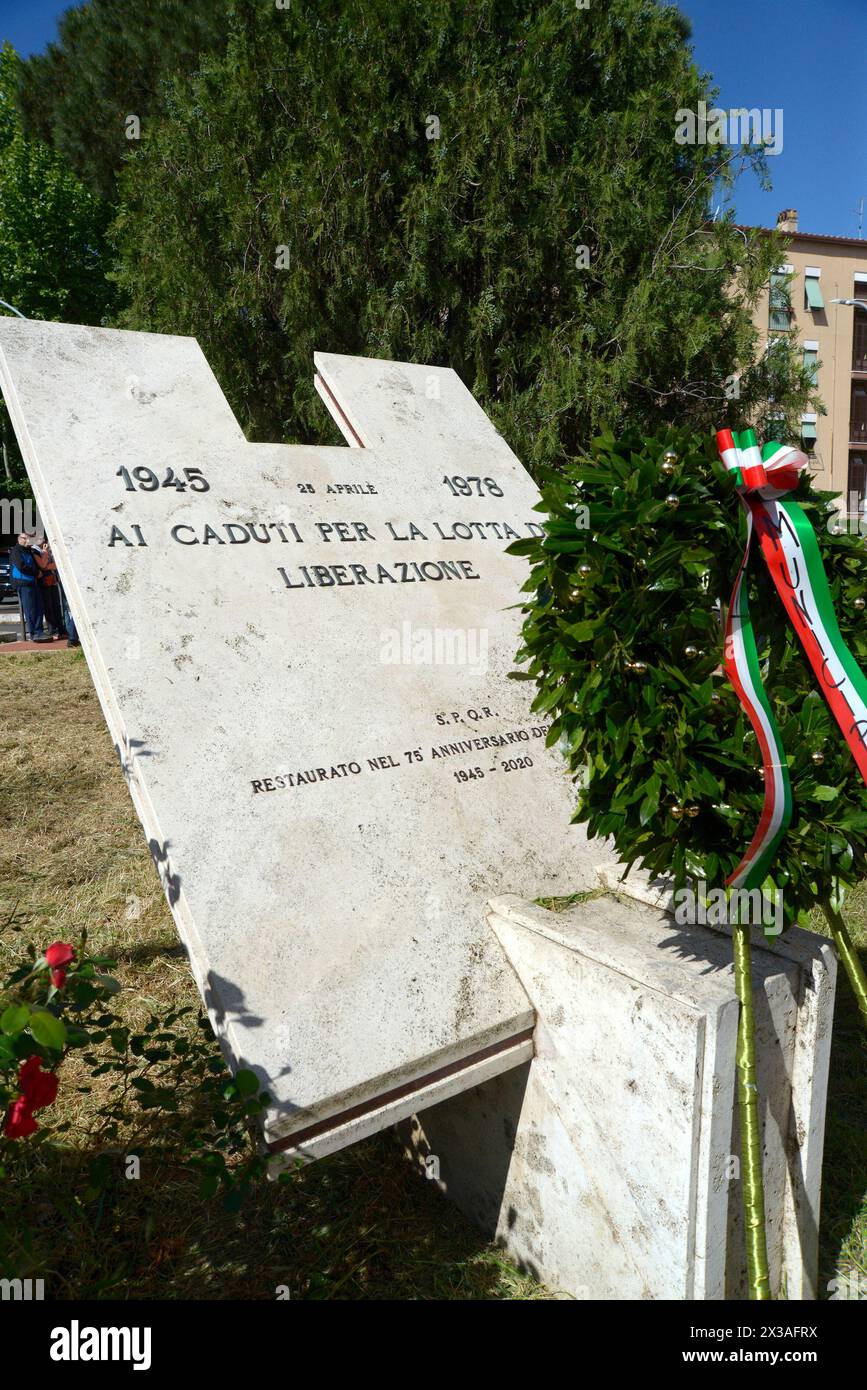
{"x":335,"y":921}
{"x":608,"y":1166}
{"x":794,"y":1019}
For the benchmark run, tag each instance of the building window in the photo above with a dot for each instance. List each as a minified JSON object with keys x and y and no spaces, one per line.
{"x":857,"y":484}
{"x":812,"y":294}
{"x":779,"y":303}
{"x":859,"y":338}
{"x":811,"y":363}
{"x":858,"y":417}
{"x":808,"y":436}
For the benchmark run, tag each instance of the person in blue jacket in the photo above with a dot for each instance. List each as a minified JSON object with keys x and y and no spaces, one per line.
{"x":68,"y":621}
{"x":24,"y":573}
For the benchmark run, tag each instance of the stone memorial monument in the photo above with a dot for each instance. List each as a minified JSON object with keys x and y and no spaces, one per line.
{"x":303,"y":656}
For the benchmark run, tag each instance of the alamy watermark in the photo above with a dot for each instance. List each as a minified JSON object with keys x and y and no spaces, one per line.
{"x":22,"y":1290}
{"x":721,"y":907}
{"x":410,"y":645}
{"x":77,"y":1343}
{"x":848,"y":1287}
{"x":20,"y":516}
{"x":737,"y":126}
{"x":854,"y":521}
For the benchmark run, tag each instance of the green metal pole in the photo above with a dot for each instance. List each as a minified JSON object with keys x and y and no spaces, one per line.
{"x":751,"y":1140}
{"x":849,"y":956}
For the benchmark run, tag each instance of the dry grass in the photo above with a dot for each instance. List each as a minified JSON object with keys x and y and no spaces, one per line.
{"x":357,"y":1225}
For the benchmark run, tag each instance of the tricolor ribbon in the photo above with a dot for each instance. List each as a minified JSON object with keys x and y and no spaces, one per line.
{"x":765,"y":480}
{"x":791,"y":551}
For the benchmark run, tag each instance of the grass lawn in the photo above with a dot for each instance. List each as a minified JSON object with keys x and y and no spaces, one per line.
{"x":360,"y":1224}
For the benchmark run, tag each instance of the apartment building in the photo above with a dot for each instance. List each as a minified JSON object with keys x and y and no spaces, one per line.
{"x":810,"y":291}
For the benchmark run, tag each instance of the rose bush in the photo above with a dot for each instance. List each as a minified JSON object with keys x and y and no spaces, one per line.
{"x":161,"y":1090}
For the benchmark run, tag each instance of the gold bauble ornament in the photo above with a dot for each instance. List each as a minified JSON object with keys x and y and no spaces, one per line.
{"x":859,"y":603}
{"x":585,"y":569}
{"x":690,"y":650}
{"x":692,"y":812}
{"x":639,"y":667}
{"x":677,"y":812}
{"x":818,"y":757}
{"x":672,"y":500}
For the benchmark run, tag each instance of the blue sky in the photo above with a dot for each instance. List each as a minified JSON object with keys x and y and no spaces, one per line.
{"x":29,"y":24}
{"x":805,"y":56}
{"x":808,"y":58}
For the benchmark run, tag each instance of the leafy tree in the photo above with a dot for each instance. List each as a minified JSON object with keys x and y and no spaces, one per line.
{"x":107,"y":64}
{"x":345,"y":177}
{"x":52,"y":229}
{"x":52,"y":241}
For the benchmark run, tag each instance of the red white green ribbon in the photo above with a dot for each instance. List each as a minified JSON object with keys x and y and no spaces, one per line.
{"x":791,"y":551}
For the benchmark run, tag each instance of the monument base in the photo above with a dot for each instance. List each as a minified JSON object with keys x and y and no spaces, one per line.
{"x":608,"y":1166}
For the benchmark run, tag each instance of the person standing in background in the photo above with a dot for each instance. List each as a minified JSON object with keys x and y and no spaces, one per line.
{"x":50,"y":588}
{"x":68,"y":620}
{"x":24,"y":573}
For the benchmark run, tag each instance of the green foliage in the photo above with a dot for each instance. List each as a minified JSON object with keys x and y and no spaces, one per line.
{"x":108,"y":63}
{"x":556,"y":131}
{"x":52,"y":243}
{"x":640,"y":743}
{"x":51,"y":228}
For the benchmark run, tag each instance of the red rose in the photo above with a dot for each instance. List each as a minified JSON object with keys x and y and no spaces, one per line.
{"x":38,"y":1087}
{"x":19,"y":1121}
{"x":59,"y":956}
